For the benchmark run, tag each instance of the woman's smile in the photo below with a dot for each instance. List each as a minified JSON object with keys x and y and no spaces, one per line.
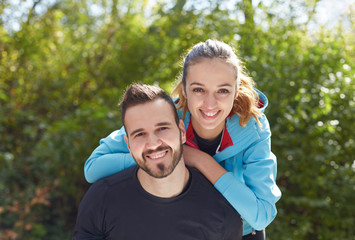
{"x":210,"y":114}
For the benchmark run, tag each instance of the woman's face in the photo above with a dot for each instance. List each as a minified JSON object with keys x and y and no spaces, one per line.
{"x":210,"y":91}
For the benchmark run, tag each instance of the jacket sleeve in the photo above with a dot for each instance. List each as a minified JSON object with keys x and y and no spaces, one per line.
{"x":110,"y":157}
{"x":256,"y":198}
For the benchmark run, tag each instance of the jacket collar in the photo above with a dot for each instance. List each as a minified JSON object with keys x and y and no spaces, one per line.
{"x":191,"y":139}
{"x":235,"y":138}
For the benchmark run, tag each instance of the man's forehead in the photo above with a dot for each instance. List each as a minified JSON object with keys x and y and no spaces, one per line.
{"x":152,"y":114}
{"x":158,"y":105}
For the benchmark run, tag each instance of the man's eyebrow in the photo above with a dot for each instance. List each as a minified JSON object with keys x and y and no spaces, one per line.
{"x":136,"y":131}
{"x":163,"y":124}
{"x":157,"y":125}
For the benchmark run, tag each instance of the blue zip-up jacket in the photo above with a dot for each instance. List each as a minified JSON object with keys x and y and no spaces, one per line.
{"x":249,"y":185}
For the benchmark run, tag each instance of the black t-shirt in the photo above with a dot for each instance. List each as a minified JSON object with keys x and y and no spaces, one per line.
{"x":117,"y":207}
{"x":209,"y":146}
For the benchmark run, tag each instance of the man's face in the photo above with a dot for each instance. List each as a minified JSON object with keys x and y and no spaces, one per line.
{"x":153,"y":137}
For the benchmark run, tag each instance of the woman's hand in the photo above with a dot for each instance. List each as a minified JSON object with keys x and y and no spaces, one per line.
{"x":203,"y":162}
{"x":192,"y":156}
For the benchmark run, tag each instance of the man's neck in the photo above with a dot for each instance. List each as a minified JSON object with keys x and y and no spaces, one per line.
{"x":168,"y":187}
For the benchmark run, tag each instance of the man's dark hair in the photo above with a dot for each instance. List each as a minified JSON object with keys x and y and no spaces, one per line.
{"x":136,"y":94}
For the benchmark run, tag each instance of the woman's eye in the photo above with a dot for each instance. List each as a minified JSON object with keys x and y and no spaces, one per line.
{"x":197,"y":90}
{"x":223,"y":91}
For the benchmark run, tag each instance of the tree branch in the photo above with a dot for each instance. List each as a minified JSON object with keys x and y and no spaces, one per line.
{"x":31,"y":11}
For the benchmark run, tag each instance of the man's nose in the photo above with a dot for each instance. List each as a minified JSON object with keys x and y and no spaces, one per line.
{"x":153,"y":141}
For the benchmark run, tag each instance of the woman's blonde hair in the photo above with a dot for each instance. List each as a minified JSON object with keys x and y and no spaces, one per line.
{"x":246,"y":101}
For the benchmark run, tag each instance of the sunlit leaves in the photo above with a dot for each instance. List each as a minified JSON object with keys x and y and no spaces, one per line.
{"x":63,"y":72}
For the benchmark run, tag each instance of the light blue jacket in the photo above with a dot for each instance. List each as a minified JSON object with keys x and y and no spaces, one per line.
{"x":249,"y":185}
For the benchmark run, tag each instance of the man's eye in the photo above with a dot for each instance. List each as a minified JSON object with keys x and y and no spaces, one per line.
{"x":139,"y":135}
{"x":163,"y":128}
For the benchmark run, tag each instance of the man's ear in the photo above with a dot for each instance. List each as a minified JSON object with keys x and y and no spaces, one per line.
{"x":183,"y":132}
{"x":127,"y":142}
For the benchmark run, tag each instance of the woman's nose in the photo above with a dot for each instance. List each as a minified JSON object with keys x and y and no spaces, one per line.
{"x":210,"y":101}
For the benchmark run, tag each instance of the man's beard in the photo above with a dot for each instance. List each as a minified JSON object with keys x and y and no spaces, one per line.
{"x":163,"y":169}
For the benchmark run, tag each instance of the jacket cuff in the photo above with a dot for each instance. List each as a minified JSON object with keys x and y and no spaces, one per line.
{"x":224,"y":182}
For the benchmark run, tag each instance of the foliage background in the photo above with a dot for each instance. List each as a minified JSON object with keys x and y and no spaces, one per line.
{"x":63,"y":72}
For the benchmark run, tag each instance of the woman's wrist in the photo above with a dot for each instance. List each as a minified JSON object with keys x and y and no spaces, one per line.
{"x":203,"y":162}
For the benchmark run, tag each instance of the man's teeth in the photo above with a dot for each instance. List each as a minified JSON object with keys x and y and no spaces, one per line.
{"x":158,"y":155}
{"x":210,"y":114}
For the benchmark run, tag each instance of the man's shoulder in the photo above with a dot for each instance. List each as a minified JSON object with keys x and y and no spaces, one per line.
{"x":117,"y":179}
{"x":198,"y":176}
{"x":230,"y":222}
{"x":206,"y":186}
{"x":207,"y":189}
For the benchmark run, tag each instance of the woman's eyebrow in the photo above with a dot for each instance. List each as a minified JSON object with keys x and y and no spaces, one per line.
{"x":222,"y":85}
{"x":225,"y":85}
{"x":196,"y":83}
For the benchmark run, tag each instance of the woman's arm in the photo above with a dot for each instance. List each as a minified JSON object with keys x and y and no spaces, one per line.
{"x":206,"y":164}
{"x":110,"y":157}
{"x":255,"y":198}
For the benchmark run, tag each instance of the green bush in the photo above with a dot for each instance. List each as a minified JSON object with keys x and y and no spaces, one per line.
{"x":63,"y":72}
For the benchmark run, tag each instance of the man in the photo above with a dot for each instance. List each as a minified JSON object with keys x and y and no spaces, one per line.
{"x":160,"y":198}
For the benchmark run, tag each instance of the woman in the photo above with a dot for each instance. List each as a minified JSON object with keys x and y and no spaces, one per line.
{"x":228,"y":136}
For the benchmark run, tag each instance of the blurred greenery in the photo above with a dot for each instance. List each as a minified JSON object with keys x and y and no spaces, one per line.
{"x":63,"y":72}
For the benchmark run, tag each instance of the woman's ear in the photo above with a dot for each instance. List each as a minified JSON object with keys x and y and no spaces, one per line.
{"x":183,"y":92}
{"x":236,"y":91}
